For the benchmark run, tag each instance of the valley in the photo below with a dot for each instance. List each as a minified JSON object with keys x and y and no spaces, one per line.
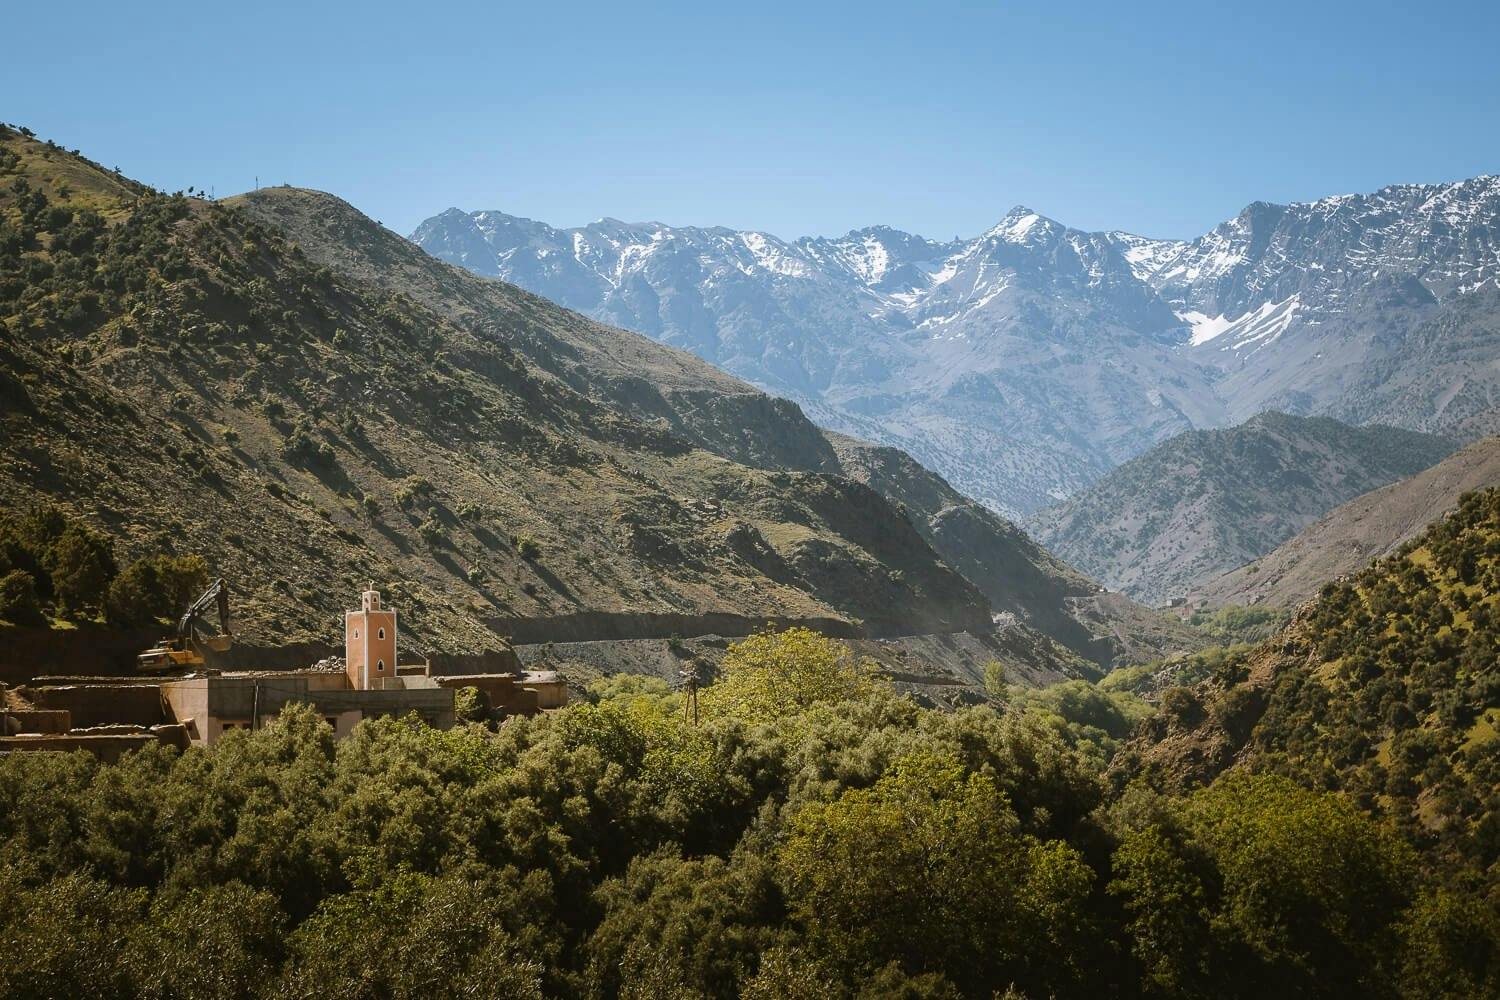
{"x":329,"y":404}
{"x":411,"y":602}
{"x":1163,"y":524}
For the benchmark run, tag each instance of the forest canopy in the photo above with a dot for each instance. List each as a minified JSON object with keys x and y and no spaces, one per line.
{"x":851,"y":844}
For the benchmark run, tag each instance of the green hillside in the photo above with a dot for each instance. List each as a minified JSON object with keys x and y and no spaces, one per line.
{"x":1386,"y":687}
{"x":282,"y":386}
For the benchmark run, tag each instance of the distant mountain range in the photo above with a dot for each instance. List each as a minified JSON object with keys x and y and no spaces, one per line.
{"x":1205,"y":502}
{"x":1027,"y":362}
{"x":1355,"y":534}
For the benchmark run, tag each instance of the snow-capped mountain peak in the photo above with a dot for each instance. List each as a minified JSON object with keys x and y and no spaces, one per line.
{"x":1027,"y":360}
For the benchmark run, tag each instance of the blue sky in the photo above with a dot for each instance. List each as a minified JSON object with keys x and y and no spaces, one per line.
{"x":807,"y":118}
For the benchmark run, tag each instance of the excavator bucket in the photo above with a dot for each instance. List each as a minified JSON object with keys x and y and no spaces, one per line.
{"x":217,"y":643}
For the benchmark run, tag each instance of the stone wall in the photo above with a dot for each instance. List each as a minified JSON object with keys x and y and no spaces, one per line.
{"x":26,"y":653}
{"x":104,"y":704}
{"x":491,"y":661}
{"x":595,"y":626}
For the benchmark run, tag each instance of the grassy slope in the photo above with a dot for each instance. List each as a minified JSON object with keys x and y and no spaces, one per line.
{"x":677,"y":391}
{"x":1386,"y":687}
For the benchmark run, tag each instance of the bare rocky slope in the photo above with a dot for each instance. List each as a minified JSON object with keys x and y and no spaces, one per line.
{"x":279,"y":383}
{"x":1351,"y":536}
{"x":1206,"y":501}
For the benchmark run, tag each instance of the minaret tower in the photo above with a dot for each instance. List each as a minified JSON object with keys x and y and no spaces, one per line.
{"x":369,"y":642}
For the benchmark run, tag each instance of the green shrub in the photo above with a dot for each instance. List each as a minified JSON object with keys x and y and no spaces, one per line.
{"x":82,"y":565}
{"x":411,"y":491}
{"x":19,"y":604}
{"x":154,"y":587}
{"x":301,"y":448}
{"x":995,"y":684}
{"x":432,"y":532}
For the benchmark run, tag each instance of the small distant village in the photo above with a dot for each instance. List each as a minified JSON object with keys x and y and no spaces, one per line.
{"x":178,"y":696}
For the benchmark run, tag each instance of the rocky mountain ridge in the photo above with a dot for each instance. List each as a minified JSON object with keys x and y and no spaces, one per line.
{"x":1025,"y":363}
{"x":1204,"y":502}
{"x":1353,"y":535}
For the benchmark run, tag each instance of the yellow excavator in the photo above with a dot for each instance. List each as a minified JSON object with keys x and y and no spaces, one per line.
{"x":185,"y":650}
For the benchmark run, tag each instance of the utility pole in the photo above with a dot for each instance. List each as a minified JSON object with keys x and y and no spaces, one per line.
{"x":689,"y":675}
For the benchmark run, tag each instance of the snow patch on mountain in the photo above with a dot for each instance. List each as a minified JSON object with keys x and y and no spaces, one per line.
{"x":1205,"y":328}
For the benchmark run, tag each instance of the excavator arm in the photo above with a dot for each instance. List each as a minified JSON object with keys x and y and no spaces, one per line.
{"x":183,"y":651}
{"x":187,"y":626}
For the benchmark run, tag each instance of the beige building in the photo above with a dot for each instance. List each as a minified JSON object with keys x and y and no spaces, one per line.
{"x":368,"y":687}
{"x":369,"y":642}
{"x":109,"y":716}
{"x":212,"y":705}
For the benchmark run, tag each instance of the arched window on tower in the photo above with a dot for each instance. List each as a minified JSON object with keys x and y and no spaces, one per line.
{"x":382,"y":633}
{"x":380,"y":665}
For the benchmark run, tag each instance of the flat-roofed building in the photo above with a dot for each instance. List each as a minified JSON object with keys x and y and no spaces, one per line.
{"x":212,"y":705}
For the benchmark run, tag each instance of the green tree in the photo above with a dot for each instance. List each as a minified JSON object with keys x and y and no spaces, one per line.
{"x":995,"y":681}
{"x":19,"y":604}
{"x":153,"y":587}
{"x":1450,"y":947}
{"x":774,"y":674}
{"x":702,"y":921}
{"x":1265,"y":888}
{"x":213,"y":941}
{"x":412,"y":937}
{"x":927,"y":867}
{"x":63,"y":938}
{"x":1167,"y":920}
{"x":81,"y":564}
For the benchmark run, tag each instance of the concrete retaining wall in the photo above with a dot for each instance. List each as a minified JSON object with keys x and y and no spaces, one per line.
{"x":104,"y":704}
{"x":491,"y":661}
{"x":107,"y":748}
{"x":595,"y":626}
{"x":291,"y":656}
{"x":36,"y":720}
{"x":26,"y":653}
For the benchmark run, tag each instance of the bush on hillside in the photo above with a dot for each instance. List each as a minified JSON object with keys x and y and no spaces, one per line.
{"x":154,"y":587}
{"x":81,"y":564}
{"x":19,"y":604}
